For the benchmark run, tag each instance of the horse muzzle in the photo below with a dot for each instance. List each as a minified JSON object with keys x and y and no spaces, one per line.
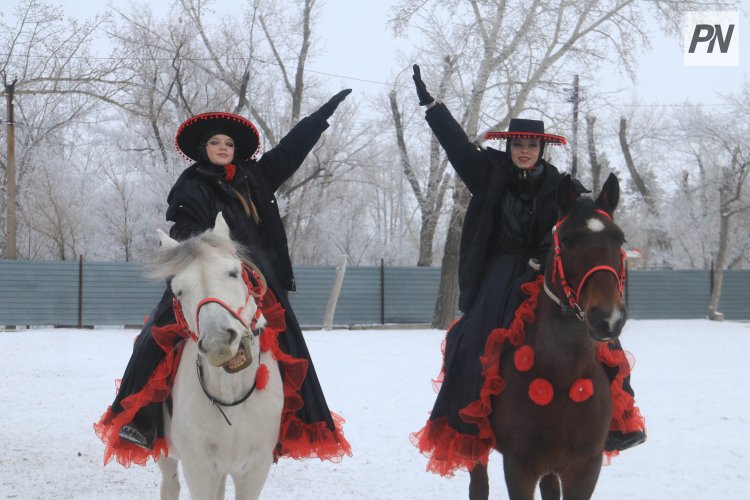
{"x":242,"y":359}
{"x":606,"y":324}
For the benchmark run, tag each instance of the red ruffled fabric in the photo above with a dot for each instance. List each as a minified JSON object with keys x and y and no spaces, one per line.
{"x":626,"y":417}
{"x":449,"y":450}
{"x":156,"y":390}
{"x":296,"y":438}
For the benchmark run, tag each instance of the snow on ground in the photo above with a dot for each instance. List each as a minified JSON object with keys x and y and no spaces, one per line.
{"x":690,"y":381}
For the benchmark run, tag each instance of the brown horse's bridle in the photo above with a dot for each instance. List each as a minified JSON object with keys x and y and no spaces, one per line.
{"x":572,"y":295}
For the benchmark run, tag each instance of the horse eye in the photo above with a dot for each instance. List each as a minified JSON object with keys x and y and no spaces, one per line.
{"x":179,"y":293}
{"x":234,"y":274}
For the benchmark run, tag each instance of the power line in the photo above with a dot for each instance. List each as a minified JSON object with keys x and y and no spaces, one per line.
{"x":207,"y":59}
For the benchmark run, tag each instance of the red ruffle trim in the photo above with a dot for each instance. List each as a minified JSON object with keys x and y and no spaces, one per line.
{"x":156,"y":390}
{"x":449,"y":450}
{"x":297,"y":439}
{"x":626,"y":417}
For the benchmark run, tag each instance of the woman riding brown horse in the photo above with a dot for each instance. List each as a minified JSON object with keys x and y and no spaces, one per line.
{"x":512,"y":210}
{"x":547,"y":398}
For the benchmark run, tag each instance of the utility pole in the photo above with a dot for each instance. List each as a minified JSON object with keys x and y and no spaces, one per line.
{"x":10,"y":237}
{"x":574,"y":97}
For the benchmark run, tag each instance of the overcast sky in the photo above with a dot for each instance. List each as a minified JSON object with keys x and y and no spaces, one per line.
{"x":360,"y":48}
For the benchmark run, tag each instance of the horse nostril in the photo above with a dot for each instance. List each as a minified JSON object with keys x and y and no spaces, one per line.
{"x":610,"y":323}
{"x":232,"y":335}
{"x":200,"y":346}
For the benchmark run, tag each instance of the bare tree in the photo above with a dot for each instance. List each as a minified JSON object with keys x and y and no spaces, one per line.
{"x":657,"y":239}
{"x":49,"y":59}
{"x":719,"y":142}
{"x":596,"y":166}
{"x":430,"y":197}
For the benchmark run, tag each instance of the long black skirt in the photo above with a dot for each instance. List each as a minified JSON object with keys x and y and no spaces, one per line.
{"x":494,"y":307}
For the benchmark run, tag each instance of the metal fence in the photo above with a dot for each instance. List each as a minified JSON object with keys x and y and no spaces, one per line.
{"x":96,"y":293}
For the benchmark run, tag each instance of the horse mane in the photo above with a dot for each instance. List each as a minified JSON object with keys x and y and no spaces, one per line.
{"x":582,"y":210}
{"x":172,"y":261}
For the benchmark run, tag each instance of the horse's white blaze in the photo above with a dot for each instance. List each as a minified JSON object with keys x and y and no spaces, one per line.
{"x":614,"y":318}
{"x":595,"y":225}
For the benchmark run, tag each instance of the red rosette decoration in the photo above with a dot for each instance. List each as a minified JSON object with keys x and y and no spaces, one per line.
{"x":581,"y":390}
{"x":541,"y":391}
{"x":524,"y":358}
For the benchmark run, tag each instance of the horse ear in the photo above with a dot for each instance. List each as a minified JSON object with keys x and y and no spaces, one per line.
{"x":220,"y":226}
{"x":567,"y":194}
{"x":166,"y":241}
{"x":610,"y":195}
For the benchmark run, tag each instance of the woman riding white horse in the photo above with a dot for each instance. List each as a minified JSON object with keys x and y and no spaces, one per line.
{"x":227,"y":396}
{"x":226,"y":177}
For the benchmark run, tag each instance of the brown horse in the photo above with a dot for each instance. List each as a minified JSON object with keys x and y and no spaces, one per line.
{"x":552,"y":418}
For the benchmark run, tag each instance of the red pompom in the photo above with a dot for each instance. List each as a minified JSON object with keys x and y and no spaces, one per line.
{"x":524,"y":358}
{"x":261,"y":377}
{"x":541,"y":391}
{"x":229,"y":172}
{"x":581,"y":390}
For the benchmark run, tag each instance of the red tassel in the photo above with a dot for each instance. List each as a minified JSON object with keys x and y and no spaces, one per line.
{"x":261,"y":377}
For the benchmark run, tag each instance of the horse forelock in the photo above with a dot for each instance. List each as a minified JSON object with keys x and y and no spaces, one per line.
{"x":172,"y":261}
{"x":582,"y":211}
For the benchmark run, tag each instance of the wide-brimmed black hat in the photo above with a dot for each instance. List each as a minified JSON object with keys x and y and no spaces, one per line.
{"x":192,"y":133}
{"x":526,"y":129}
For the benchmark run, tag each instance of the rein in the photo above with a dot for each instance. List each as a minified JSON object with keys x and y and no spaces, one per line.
{"x":572,"y":296}
{"x":254,"y":291}
{"x":217,"y":402}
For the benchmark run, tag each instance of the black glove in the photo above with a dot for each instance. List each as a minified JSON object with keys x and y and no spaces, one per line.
{"x":424,"y":96}
{"x":328,"y":108}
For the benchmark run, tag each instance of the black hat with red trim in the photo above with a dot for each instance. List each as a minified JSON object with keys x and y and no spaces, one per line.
{"x":195,"y":131}
{"x":526,"y":129}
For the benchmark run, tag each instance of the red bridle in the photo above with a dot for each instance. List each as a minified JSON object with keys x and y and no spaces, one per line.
{"x":254,"y":291}
{"x":557,"y":269}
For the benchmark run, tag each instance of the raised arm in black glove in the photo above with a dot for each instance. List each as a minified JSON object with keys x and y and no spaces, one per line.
{"x":424,"y":96}
{"x":328,"y":108}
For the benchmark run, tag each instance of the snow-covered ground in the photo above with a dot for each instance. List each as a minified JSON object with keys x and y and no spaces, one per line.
{"x":691,"y":382}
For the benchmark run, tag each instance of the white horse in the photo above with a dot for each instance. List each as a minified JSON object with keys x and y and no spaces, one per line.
{"x":220,"y":423}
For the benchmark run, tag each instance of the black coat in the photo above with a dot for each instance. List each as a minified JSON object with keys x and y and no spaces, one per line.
{"x":201,"y":193}
{"x":487,"y":174}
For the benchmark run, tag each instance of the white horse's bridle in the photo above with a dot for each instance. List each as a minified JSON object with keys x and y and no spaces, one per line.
{"x":255,"y":292}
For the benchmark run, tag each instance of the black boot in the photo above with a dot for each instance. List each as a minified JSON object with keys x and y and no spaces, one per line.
{"x":142,"y":430}
{"x":618,"y":441}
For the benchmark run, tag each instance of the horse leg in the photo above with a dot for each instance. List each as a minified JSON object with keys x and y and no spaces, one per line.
{"x":170,"y":482}
{"x":550,"y":487}
{"x":579,"y":481}
{"x":519,"y":479}
{"x":202,"y":482}
{"x":247,"y":486}
{"x":479,"y":486}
